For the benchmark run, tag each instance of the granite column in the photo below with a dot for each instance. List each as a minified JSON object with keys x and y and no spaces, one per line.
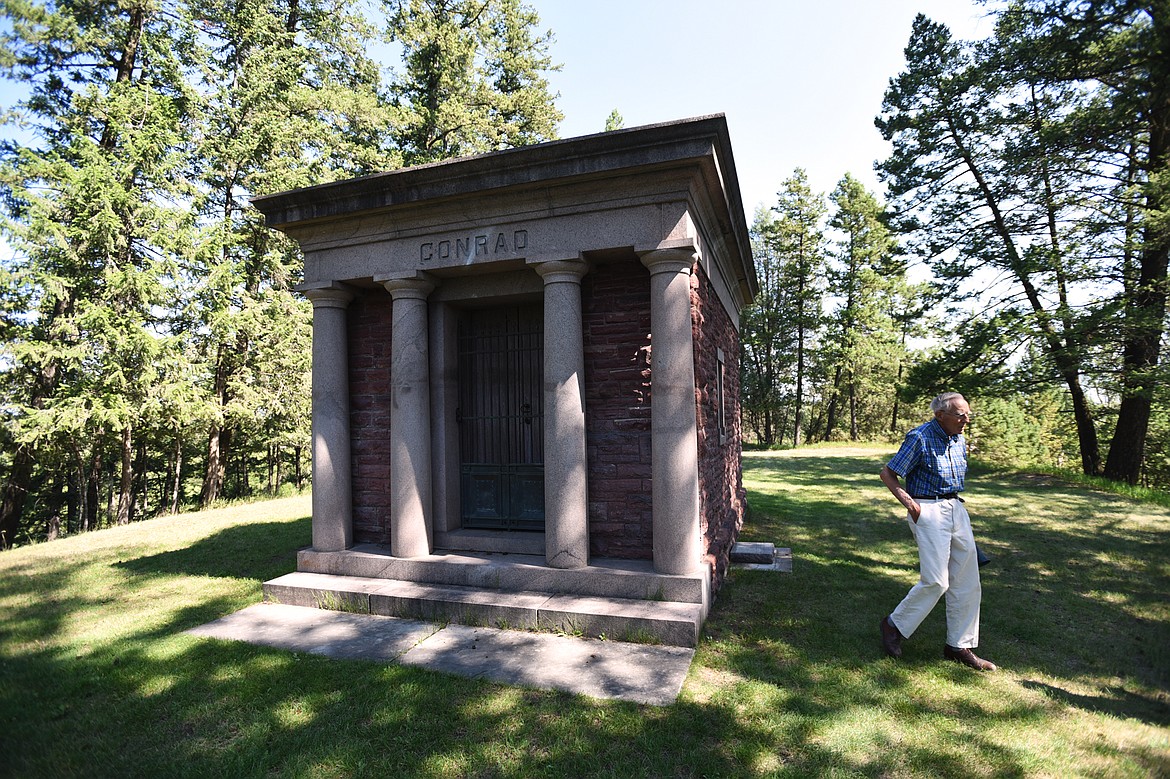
{"x":410,"y":418}
{"x":332,"y":492}
{"x":674,"y":430}
{"x":566,"y":502}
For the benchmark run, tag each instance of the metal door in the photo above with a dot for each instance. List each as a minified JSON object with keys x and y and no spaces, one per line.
{"x":501,"y":418}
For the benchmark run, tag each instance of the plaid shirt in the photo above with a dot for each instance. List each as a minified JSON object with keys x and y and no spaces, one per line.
{"x":931,"y":462}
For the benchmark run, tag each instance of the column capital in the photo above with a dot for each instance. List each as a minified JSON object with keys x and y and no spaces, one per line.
{"x":335,"y":295}
{"x":669,"y":260}
{"x":416,"y":287}
{"x":562,"y":271}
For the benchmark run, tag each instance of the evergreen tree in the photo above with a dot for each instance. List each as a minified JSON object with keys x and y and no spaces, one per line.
{"x":863,"y":340}
{"x":1109,"y":63}
{"x":92,"y":209}
{"x":991,"y":195}
{"x":147,"y":305}
{"x":290,"y":100}
{"x":797,"y":238}
{"x":767,"y":339}
{"x":473,"y":80}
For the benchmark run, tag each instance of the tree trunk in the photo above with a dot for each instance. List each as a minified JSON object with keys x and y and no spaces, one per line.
{"x":831,"y":414}
{"x":219,"y":437}
{"x":111,"y":505}
{"x":140,"y":486}
{"x":279,"y":467}
{"x":243,"y":480}
{"x":293,"y":18}
{"x":177,"y":464}
{"x":126,"y":482}
{"x":93,"y":489}
{"x":854,"y":433}
{"x":1086,"y":429}
{"x":56,"y":501}
{"x":12,"y":500}
{"x":1146,"y":310}
{"x":215,"y":469}
{"x":73,"y":498}
{"x":798,"y":410}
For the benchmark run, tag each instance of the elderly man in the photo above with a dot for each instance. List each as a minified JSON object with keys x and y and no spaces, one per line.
{"x":933,"y":461}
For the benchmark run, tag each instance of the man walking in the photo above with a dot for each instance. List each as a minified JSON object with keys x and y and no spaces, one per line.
{"x":933,"y":461}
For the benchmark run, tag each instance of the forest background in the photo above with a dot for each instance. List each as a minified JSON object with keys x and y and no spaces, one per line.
{"x":155,"y":356}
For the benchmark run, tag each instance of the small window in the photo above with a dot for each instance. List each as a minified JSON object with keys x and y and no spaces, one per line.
{"x":721,"y":396}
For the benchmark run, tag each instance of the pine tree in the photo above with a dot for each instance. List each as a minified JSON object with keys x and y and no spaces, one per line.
{"x":797,"y":238}
{"x":91,"y":207}
{"x":767,"y":339}
{"x":147,"y":304}
{"x":863,"y":339}
{"x":473,"y":79}
{"x":1109,"y":61}
{"x":976,"y":171}
{"x":291,"y":100}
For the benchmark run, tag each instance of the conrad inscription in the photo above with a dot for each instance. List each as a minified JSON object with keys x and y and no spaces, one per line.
{"x":471,"y":247}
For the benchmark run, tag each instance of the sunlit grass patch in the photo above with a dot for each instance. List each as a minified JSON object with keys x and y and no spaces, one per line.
{"x":788,"y":679}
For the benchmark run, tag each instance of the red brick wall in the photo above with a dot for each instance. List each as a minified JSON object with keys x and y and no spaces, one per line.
{"x":615,"y":308}
{"x":616,"y":315}
{"x":722,"y":496}
{"x":369,"y":325}
{"x":615,"y":302}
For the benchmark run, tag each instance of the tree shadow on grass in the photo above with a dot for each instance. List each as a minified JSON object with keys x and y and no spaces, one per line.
{"x":1116,"y":704}
{"x":188,"y":707}
{"x":257,"y":550}
{"x":787,"y":663}
{"x":1077,"y":589}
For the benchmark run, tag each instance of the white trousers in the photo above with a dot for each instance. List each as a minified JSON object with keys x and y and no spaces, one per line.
{"x":947,"y":565}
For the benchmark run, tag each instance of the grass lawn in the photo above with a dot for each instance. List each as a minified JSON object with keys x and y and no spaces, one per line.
{"x":98,"y":679}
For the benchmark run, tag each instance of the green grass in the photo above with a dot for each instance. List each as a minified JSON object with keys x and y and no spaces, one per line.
{"x":97,"y":677}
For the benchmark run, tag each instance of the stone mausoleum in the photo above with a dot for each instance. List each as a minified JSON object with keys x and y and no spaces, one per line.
{"x":526,"y":383}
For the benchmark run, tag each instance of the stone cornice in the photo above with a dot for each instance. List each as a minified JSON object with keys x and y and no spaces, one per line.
{"x":701,"y":145}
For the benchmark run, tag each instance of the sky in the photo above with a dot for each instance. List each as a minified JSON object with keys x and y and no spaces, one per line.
{"x":800,"y":81}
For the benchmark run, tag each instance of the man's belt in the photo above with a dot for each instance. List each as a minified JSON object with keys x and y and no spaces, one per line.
{"x":945,"y":496}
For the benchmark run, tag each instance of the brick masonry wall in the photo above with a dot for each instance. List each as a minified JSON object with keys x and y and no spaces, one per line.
{"x":722,"y":496}
{"x":615,"y":308}
{"x":369,"y":325}
{"x":616,"y":320}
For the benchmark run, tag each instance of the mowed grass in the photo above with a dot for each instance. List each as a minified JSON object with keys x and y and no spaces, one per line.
{"x":97,"y":677}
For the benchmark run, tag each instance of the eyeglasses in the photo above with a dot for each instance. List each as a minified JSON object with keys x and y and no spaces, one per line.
{"x":968,"y":416}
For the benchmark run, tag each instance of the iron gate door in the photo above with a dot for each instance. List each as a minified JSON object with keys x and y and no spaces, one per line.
{"x":501,"y":418}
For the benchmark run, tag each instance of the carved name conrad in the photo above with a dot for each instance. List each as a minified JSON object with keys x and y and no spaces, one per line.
{"x":471,"y":247}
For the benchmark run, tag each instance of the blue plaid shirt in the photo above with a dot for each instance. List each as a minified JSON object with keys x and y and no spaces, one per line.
{"x":931,"y":462}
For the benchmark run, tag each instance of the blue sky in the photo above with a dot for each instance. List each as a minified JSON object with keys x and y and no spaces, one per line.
{"x":799,"y":80}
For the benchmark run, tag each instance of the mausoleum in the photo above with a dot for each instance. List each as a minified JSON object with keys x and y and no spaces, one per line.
{"x":526,"y":382}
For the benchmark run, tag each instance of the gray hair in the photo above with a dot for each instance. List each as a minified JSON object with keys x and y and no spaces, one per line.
{"x":945,"y":402}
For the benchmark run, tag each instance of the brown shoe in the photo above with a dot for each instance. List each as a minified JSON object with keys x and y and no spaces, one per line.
{"x":891,"y":638}
{"x":967,"y":658}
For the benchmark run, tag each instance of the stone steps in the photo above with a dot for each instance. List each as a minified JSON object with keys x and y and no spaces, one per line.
{"x":671,"y":622}
{"x":623,"y":600}
{"x":627,"y":579}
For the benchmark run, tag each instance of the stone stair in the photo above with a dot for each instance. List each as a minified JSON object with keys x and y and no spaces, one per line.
{"x":622,"y":600}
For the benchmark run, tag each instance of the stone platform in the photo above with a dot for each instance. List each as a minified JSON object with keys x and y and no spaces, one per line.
{"x":621,"y":600}
{"x":652,"y":675}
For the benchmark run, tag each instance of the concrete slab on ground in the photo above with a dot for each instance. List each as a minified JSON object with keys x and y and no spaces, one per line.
{"x":641,"y":673}
{"x":320,"y":632}
{"x":781,"y":561}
